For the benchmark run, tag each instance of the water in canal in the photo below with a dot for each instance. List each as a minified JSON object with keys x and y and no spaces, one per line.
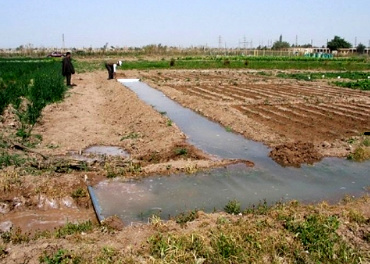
{"x":133,"y":201}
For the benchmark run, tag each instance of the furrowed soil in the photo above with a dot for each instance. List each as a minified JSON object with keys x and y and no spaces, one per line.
{"x":300,"y":121}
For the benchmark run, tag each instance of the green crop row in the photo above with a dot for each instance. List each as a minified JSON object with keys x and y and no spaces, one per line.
{"x":360,"y":80}
{"x":359,"y":84}
{"x":239,"y":62}
{"x":40,"y":82}
{"x":29,"y":87}
{"x":271,"y":58}
{"x":325,"y":75}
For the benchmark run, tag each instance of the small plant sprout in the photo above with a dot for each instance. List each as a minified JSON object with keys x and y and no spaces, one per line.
{"x":229,"y":129}
{"x":181,"y":151}
{"x":131,"y":135}
{"x":232,"y":207}
{"x":155,"y":220}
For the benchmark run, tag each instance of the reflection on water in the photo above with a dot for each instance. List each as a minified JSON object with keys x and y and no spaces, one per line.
{"x":133,"y":201}
{"x":208,"y":191}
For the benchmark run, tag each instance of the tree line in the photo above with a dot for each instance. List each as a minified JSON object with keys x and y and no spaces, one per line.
{"x":334,"y":44}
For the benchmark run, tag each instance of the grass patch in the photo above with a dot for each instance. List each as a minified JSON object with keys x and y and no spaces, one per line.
{"x":181,"y":151}
{"x":318,"y":236}
{"x":59,"y":256}
{"x":232,"y":207}
{"x":15,"y":236}
{"x":366,"y":142}
{"x":185,"y":217}
{"x":131,"y":135}
{"x":9,"y":180}
{"x":228,"y":129}
{"x":71,"y":228}
{"x":79,"y":193}
{"x":360,"y":154}
{"x":311,"y":239}
{"x":260,"y":209}
{"x":7,"y":159}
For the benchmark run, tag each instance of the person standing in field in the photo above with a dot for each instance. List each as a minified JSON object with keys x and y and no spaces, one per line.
{"x":112,"y":67}
{"x":67,"y":68}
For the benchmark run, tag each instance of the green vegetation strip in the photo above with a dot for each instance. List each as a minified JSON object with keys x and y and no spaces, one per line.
{"x":359,"y":80}
{"x":28,"y":85}
{"x":237,"y":62}
{"x":359,"y":84}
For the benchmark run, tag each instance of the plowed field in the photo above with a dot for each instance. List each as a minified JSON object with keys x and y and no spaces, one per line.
{"x":270,"y":109}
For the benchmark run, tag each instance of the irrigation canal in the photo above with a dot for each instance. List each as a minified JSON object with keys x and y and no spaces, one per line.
{"x":136,"y":201}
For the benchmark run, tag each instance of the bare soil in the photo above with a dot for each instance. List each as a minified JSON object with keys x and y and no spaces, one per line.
{"x":272,"y":110}
{"x":301,"y":122}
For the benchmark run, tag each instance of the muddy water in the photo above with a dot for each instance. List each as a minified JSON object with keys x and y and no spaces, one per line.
{"x":31,"y":221}
{"x":106,"y":151}
{"x":329,"y":180}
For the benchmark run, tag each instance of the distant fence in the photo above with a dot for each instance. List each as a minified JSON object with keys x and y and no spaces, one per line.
{"x":173,"y":51}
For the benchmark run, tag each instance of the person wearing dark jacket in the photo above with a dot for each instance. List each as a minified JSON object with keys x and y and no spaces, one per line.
{"x":112,"y":67}
{"x":67,"y":68}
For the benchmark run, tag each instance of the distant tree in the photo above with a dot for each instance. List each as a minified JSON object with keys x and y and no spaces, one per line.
{"x":338,"y":43}
{"x":280,"y":45}
{"x":360,"y":48}
{"x":306,"y":46}
{"x":302,"y":46}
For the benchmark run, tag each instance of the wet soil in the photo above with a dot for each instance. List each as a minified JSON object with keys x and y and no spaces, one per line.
{"x":294,"y":154}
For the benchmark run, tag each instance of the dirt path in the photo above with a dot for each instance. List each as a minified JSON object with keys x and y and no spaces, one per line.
{"x":102,"y":112}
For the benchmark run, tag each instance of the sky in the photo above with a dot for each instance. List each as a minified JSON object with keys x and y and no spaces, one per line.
{"x":186,"y":23}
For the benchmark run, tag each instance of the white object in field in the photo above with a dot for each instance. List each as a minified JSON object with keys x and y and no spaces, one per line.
{"x":128,"y":80}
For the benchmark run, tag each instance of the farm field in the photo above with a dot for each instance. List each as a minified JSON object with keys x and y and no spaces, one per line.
{"x":302,"y":121}
{"x":281,"y":113}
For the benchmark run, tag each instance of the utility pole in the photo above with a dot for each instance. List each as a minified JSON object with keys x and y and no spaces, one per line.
{"x":63,"y":47}
{"x":355,"y":42}
{"x":219,"y":42}
{"x":244,"y":42}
